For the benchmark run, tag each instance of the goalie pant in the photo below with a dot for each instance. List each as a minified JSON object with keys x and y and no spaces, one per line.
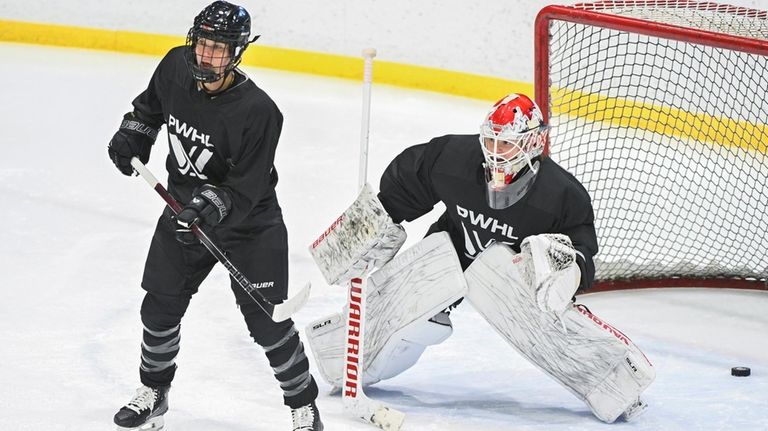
{"x":596,"y":362}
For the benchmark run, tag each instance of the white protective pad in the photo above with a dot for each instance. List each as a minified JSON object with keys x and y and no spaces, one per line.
{"x":596,"y":362}
{"x":555,"y":275}
{"x":401,"y":298}
{"x":362,"y":238}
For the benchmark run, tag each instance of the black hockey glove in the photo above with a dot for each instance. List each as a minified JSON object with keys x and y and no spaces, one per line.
{"x":134,"y":139}
{"x":208,"y":207}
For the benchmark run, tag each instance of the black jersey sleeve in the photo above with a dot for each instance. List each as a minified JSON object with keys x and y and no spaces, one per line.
{"x":148,"y":106}
{"x":585,"y":243}
{"x":251,"y":176}
{"x":406,"y":190}
{"x":579,"y":225}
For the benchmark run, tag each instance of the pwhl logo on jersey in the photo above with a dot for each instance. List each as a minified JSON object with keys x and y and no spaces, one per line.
{"x":474,"y":222}
{"x":190,"y":162}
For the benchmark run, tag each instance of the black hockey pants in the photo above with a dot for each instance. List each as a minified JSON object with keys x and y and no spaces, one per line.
{"x":173,"y":273}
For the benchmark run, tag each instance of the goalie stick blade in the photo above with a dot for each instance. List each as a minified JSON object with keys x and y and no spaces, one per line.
{"x":285,"y":310}
{"x":388,"y":419}
{"x":374,"y":413}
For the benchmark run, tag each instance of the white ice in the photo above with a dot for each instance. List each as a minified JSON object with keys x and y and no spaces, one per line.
{"x":75,"y":234}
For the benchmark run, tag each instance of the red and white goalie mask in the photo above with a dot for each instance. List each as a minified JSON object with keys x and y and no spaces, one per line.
{"x":512,"y":136}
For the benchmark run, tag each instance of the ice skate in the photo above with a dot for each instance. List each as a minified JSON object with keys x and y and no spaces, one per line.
{"x":145,"y":411}
{"x":306,"y":418}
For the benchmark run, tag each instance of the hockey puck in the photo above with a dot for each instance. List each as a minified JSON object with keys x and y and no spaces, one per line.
{"x":741,"y":371}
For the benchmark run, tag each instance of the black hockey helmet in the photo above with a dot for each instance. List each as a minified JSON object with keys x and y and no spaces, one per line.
{"x":224,"y":22}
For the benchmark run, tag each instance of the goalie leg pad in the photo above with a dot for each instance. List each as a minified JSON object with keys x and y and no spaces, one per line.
{"x":401,"y":298}
{"x":596,"y":362}
{"x":326,"y":340}
{"x":405,"y":349}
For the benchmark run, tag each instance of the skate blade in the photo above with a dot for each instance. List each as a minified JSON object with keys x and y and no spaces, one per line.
{"x":154,"y":424}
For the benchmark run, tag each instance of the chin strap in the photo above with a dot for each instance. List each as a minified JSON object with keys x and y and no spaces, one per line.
{"x":226,"y":83}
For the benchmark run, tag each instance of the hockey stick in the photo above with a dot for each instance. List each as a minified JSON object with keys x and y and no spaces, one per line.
{"x":353,"y":398}
{"x":277,"y":312}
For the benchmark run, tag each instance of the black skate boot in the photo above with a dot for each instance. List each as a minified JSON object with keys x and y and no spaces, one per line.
{"x":306,"y":418}
{"x":145,"y":411}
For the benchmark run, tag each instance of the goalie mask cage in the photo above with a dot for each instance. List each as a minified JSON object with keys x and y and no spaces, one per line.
{"x":660,"y":108}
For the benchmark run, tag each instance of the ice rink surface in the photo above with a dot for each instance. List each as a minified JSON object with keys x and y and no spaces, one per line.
{"x":75,"y":234}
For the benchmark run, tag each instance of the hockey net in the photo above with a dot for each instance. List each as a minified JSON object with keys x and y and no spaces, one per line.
{"x":660,"y":108}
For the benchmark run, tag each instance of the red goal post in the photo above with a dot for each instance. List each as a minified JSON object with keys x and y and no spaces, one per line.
{"x":660,"y":109}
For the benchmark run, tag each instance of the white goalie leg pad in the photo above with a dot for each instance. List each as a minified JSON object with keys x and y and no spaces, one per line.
{"x":596,"y":362}
{"x":401,"y":298}
{"x":405,"y":348}
{"x":326,"y":340}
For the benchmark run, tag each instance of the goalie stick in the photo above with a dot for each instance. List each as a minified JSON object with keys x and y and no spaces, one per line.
{"x":355,"y":401}
{"x":336,"y":250}
{"x":277,"y":312}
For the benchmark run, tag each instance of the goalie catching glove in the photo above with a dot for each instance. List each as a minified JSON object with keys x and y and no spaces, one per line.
{"x":555,"y":275}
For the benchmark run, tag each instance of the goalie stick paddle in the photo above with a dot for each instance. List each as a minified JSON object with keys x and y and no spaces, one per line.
{"x":277,"y":312}
{"x":353,"y":398}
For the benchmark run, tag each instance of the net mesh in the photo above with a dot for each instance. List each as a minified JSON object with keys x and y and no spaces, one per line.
{"x":669,"y":138}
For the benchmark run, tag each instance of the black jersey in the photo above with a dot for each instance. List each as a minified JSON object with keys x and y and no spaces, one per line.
{"x":227,"y":140}
{"x":449,"y":169}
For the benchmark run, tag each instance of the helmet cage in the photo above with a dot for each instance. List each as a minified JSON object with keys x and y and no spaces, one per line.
{"x":220,"y":22}
{"x":507,"y":152}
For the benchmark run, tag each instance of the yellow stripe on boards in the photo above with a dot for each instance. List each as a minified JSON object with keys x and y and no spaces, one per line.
{"x":78,"y":37}
{"x":594,"y":107}
{"x":385,"y":72}
{"x":662,"y":119}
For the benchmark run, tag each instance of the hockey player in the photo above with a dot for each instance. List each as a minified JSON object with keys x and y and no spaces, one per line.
{"x":223,"y":131}
{"x":523,"y":230}
{"x":502,"y":190}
